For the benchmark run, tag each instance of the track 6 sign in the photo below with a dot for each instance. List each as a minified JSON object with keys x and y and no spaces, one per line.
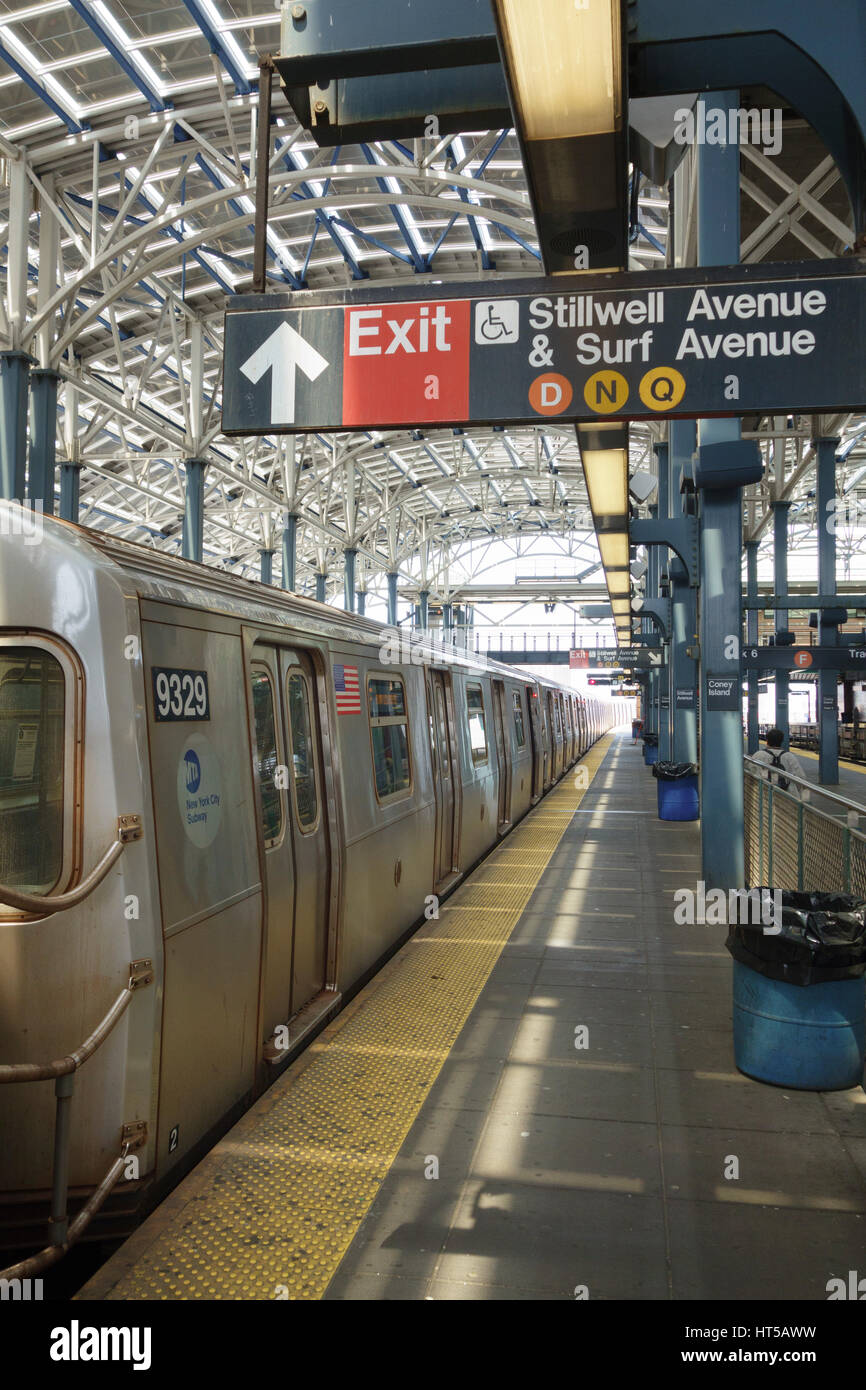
{"x":682,"y":343}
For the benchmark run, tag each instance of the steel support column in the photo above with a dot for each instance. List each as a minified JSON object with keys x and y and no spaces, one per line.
{"x":266,"y":558}
{"x":192,"y":541}
{"x":721,"y":523}
{"x":14,"y":375}
{"x":349,"y":558}
{"x":70,"y":485}
{"x":664,"y":676}
{"x":43,"y":437}
{"x":752,"y":639}
{"x":652,"y":592}
{"x":392,"y":597}
{"x":828,"y":702}
{"x":290,"y":551}
{"x":320,"y":586}
{"x":423,"y":604}
{"x":362,"y":602}
{"x":684,"y":620}
{"x":780,"y":588}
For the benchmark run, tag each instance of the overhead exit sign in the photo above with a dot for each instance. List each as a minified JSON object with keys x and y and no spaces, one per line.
{"x":689,"y":343}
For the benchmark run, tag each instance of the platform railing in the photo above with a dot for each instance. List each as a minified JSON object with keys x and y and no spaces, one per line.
{"x":791,"y":844}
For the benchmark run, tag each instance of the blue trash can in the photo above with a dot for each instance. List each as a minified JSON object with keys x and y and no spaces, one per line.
{"x":800,"y":993}
{"x":650,"y":749}
{"x":677,"y":789}
{"x":809,"y":1039}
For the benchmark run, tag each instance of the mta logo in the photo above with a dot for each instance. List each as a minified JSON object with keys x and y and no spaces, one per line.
{"x":193,"y":771}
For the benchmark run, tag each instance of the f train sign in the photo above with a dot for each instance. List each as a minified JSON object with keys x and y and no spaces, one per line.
{"x":684,"y":343}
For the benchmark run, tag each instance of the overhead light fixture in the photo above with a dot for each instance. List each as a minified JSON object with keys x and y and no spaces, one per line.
{"x":565,"y":70}
{"x":604,"y":454}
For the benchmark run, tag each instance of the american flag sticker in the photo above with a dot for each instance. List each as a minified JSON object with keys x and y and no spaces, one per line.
{"x":348,"y":689}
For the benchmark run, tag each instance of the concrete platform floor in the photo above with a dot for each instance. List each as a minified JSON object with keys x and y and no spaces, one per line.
{"x":608,"y":1168}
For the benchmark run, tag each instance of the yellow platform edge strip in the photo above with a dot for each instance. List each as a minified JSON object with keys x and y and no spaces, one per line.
{"x":289,"y":1186}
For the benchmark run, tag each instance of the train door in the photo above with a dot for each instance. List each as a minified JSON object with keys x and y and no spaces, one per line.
{"x":296,"y":849}
{"x":503,"y":743}
{"x":445,"y":774}
{"x":535,"y":742}
{"x":552,"y":725}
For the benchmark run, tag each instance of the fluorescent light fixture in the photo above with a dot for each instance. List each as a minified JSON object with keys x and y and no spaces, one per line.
{"x":565,"y":70}
{"x":613,"y":547}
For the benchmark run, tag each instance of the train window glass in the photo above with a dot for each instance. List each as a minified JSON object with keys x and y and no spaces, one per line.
{"x":443,"y":728}
{"x":303,"y":753}
{"x":266,"y":756}
{"x":519,"y":729}
{"x":477,"y":723}
{"x":556,"y":717}
{"x":32,"y":725}
{"x":389,"y":734}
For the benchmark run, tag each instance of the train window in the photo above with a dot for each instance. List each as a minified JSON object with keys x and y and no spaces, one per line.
{"x":303,"y":753}
{"x":32,"y":724}
{"x":477,"y":723}
{"x":518,"y":719}
{"x":556,"y":721}
{"x":266,"y":756}
{"x":389,"y":734}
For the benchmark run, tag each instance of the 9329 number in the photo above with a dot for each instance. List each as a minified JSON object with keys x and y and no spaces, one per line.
{"x":179,"y":695}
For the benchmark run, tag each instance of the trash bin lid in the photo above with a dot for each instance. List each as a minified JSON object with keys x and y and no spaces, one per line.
{"x":672,"y":772}
{"x":821,"y":937}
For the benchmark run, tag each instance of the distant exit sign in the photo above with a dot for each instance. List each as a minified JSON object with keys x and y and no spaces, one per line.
{"x":680,"y":343}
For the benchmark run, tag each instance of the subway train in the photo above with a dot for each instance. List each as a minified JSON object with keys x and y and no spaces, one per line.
{"x":221,"y":807}
{"x":852,"y":739}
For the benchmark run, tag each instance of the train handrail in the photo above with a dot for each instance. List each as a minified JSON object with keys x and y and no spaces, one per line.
{"x":128,"y":829}
{"x":62,"y":1235}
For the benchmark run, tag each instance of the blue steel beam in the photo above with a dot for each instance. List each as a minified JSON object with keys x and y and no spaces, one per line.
{"x":37,"y":88}
{"x":96,"y":26}
{"x":218,"y":46}
{"x":421,"y":263}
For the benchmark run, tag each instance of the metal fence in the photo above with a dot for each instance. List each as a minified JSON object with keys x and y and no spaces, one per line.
{"x":790,"y":843}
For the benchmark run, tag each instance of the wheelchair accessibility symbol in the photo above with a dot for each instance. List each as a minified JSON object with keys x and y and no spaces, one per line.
{"x":497,"y":321}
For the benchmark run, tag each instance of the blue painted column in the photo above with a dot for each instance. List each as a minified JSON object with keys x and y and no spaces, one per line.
{"x":652,"y":592}
{"x":362,"y":602}
{"x":828,"y":704}
{"x":752,"y":736}
{"x":266,"y":559}
{"x":290,"y":552}
{"x":682,"y":438}
{"x":192,"y":540}
{"x":780,"y":586}
{"x":70,"y":483}
{"x":320,"y":586}
{"x":43,"y":437}
{"x":349,"y":557}
{"x":392,"y":597}
{"x":423,"y":605}
{"x":447,"y":621}
{"x":664,"y":676}
{"x":721,"y":533}
{"x":14,"y":373}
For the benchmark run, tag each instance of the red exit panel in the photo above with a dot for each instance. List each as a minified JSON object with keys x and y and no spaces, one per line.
{"x":406,"y":364}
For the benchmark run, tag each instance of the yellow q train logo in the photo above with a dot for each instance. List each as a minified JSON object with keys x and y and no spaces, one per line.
{"x":662,"y":388}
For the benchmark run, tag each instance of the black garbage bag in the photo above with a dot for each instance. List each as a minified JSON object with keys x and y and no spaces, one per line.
{"x":672,"y":772}
{"x":822,"y":938}
{"x":651,"y":739}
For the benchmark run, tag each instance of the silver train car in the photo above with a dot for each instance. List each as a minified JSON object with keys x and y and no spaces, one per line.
{"x":221,"y":807}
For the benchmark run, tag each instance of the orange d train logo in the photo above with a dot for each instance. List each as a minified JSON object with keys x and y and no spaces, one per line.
{"x":550,"y":394}
{"x":802,"y":660}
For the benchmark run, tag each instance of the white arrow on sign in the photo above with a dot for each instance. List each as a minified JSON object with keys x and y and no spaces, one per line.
{"x":284,"y":351}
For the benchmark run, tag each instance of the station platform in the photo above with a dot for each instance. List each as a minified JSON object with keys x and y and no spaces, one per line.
{"x":852,"y":778}
{"x":445,"y":1137}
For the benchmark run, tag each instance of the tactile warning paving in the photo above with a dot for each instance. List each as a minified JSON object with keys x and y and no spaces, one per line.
{"x":294,"y":1181}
